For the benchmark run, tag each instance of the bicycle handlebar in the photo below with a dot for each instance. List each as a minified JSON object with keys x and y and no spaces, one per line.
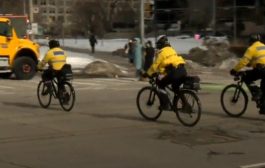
{"x":239,"y":75}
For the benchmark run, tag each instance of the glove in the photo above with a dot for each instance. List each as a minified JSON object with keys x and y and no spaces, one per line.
{"x":145,"y":75}
{"x":233,"y":72}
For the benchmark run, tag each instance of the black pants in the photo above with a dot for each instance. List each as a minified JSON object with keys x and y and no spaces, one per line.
{"x":175,"y":77}
{"x":256,"y":74}
{"x":49,"y":74}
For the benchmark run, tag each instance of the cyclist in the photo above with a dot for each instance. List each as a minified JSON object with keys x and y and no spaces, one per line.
{"x":255,"y":58}
{"x":170,"y":67}
{"x":56,"y":59}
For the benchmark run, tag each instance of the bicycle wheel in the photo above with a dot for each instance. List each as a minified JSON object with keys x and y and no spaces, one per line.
{"x":67,"y":96}
{"x":148,"y":103}
{"x":234,"y":100}
{"x":187,"y":107}
{"x":44,"y":97}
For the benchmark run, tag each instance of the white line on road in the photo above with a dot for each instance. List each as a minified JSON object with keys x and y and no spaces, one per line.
{"x":257,"y":165}
{"x":6,"y":87}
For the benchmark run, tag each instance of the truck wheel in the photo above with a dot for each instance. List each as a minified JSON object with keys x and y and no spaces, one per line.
{"x":24,"y":68}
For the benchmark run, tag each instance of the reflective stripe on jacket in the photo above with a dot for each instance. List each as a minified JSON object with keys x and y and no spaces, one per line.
{"x":254,"y":55}
{"x":56,"y":58}
{"x":165,"y":57}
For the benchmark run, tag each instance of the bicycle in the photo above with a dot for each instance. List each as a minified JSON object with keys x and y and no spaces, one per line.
{"x":232,"y":94}
{"x":60,"y":89}
{"x":185,"y":102}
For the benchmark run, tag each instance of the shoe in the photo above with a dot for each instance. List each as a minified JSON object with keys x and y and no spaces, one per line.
{"x":66,"y":99}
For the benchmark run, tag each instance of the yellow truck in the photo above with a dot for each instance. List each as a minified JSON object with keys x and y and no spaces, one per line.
{"x":18,"y":55}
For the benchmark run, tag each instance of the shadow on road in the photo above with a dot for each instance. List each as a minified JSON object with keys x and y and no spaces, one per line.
{"x":131,"y":118}
{"x":27,"y":105}
{"x":224,"y":116}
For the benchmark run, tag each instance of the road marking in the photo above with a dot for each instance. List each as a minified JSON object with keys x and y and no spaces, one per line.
{"x":6,"y":87}
{"x":257,"y":165}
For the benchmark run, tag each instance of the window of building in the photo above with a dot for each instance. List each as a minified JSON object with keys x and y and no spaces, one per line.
{"x":52,"y":18}
{"x":51,"y":2}
{"x":52,"y":10}
{"x":68,"y":3}
{"x":43,"y":2}
{"x":61,"y":10}
{"x":60,"y":18}
{"x":44,"y":10}
{"x":60,"y":2}
{"x":68,"y":11}
{"x":35,"y":2}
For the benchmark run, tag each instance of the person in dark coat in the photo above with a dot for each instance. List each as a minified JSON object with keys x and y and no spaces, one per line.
{"x":149,"y":55}
{"x":129,"y":50}
{"x":93,"y":42}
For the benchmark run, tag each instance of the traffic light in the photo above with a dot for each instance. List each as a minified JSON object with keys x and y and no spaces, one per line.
{"x":165,"y":11}
{"x":148,"y":10}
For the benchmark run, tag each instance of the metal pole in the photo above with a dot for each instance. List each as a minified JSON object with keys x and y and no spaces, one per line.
{"x":235,"y":21}
{"x":142,"y":21}
{"x":214,"y":17}
{"x":31,"y":16}
{"x":24,"y":7}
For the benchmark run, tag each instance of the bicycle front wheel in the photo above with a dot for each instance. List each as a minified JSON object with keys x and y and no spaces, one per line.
{"x":187,"y":107}
{"x":234,"y":100}
{"x":44,"y":96}
{"x":148,"y":103}
{"x":67,"y":96}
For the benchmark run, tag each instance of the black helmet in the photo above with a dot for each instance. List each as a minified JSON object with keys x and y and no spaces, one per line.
{"x":54,"y":44}
{"x":162,"y":42}
{"x":253,"y":38}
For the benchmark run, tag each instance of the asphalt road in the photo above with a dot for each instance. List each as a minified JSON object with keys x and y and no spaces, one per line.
{"x":105,"y":130}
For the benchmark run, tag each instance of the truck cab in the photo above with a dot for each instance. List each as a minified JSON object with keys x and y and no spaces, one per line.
{"x":18,"y":56}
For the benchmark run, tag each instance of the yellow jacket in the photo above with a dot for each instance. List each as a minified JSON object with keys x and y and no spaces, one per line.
{"x":254,"y":55}
{"x":165,"y":57}
{"x":56,"y":58}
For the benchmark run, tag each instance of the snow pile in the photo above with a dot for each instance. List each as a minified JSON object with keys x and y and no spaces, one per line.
{"x":216,"y":51}
{"x":102,"y":69}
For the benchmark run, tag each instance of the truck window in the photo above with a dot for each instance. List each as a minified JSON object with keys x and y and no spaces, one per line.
{"x":5,"y":29}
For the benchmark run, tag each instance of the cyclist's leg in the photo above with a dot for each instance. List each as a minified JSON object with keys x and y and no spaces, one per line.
{"x":62,"y":91}
{"x":162,"y":93}
{"x":249,"y":78}
{"x":178,"y":77}
{"x":47,"y":77}
{"x":262,"y":90}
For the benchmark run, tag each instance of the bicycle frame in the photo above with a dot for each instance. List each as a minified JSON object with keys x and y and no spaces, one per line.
{"x":153,"y":82}
{"x":239,"y":84}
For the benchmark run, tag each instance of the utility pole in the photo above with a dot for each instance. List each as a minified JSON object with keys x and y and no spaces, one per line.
{"x":142,"y":21}
{"x":235,"y":21}
{"x":24,"y":7}
{"x":31,"y":17}
{"x":214,"y":17}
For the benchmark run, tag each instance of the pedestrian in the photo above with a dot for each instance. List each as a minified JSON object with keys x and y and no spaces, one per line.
{"x":129,"y":50}
{"x":149,"y":55}
{"x":138,"y":57}
{"x":93,"y":42}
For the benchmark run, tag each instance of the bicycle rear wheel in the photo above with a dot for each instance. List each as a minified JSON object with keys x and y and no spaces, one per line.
{"x":67,"y":96}
{"x":187,"y":107}
{"x":148,"y":103}
{"x":44,"y":97}
{"x":234,"y":100}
